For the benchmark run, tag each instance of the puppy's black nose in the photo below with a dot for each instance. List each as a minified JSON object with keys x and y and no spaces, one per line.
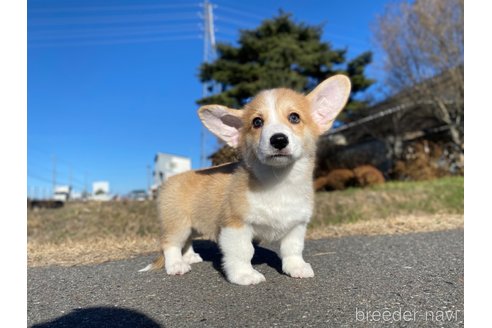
{"x":279,"y":141}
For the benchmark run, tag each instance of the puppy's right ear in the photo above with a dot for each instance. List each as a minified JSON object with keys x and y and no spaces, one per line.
{"x":222,"y":121}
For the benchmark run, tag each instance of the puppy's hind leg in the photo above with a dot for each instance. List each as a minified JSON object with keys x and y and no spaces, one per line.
{"x":173,"y":244}
{"x":170,"y":245}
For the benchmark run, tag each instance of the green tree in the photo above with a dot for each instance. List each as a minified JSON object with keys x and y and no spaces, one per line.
{"x":280,"y":53}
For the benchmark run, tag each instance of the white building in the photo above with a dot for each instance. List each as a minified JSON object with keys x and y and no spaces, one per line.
{"x":167,"y":165}
{"x":100,"y":191}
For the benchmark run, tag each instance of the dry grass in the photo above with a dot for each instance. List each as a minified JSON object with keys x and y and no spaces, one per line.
{"x":82,"y":233}
{"x":394,"y":225}
{"x":88,"y":251}
{"x":93,"y":220}
{"x":92,"y":232}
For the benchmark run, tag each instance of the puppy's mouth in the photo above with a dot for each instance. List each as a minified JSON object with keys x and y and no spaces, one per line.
{"x":275,"y":156}
{"x":279,"y":158}
{"x":272,"y":157}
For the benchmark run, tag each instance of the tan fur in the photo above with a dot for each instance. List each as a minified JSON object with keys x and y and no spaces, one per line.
{"x":158,"y":262}
{"x":195,"y":200}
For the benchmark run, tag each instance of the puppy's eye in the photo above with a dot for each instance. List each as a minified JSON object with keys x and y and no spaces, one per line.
{"x":257,"y":122}
{"x":294,"y":118}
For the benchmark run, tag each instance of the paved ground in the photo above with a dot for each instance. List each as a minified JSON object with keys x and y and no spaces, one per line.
{"x":413,"y":280}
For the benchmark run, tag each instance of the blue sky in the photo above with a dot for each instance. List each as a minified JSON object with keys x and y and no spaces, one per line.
{"x":111,"y":83}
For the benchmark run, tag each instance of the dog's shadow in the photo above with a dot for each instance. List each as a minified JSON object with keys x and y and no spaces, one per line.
{"x":210,"y":252}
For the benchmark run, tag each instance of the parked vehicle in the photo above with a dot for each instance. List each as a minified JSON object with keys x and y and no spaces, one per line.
{"x":62,"y":193}
{"x":139,"y":195}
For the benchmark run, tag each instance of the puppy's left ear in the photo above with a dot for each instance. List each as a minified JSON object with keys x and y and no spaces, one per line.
{"x":222,"y":121}
{"x":328,"y":99}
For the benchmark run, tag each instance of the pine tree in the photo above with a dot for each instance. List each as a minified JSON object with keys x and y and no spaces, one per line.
{"x":280,"y":53}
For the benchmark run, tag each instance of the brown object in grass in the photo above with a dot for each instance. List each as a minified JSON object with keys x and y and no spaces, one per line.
{"x":367,"y":175}
{"x":337,"y":179}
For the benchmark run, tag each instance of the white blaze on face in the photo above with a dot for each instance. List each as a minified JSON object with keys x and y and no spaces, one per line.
{"x":274,"y":124}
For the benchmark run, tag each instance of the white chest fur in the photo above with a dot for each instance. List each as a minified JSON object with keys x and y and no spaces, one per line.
{"x":275,"y":211}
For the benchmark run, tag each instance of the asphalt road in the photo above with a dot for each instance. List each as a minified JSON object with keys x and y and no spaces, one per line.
{"x":413,"y":280}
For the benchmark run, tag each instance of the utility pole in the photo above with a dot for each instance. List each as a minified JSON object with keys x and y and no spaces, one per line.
{"x":70,"y":177}
{"x":148,"y":178}
{"x":54,"y":173}
{"x":85,"y":185}
{"x":208,"y":53}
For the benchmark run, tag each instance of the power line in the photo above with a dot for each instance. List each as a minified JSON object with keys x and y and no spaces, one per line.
{"x":379,"y":114}
{"x":37,"y":177}
{"x":113,"y":19}
{"x":40,"y":167}
{"x":80,"y":37}
{"x":46,"y":170}
{"x":114,"y":42}
{"x":102,"y":37}
{"x":50,"y":154}
{"x":117,"y":30}
{"x":241,"y":6}
{"x":113,"y":8}
{"x":369,"y":118}
{"x":244,"y":13}
{"x":48,"y":180}
{"x":234,"y":22}
{"x":228,"y":31}
{"x":239,"y":12}
{"x":55,"y":169}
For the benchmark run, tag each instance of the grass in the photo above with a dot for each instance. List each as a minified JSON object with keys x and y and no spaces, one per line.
{"x":93,"y":220}
{"x":392,"y":199}
{"x":94,"y":232}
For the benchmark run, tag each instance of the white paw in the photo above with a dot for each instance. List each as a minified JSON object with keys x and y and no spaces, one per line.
{"x":178,"y":268}
{"x":250,"y":277}
{"x":191,"y":258}
{"x":298,"y":269}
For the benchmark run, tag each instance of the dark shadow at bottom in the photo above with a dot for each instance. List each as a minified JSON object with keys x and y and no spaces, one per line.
{"x":101,"y":317}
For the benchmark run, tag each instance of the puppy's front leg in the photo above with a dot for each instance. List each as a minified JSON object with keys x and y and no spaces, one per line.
{"x":237,"y":249}
{"x":291,"y":247}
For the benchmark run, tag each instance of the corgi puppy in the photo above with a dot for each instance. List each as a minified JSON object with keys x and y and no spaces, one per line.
{"x":267,"y":196}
